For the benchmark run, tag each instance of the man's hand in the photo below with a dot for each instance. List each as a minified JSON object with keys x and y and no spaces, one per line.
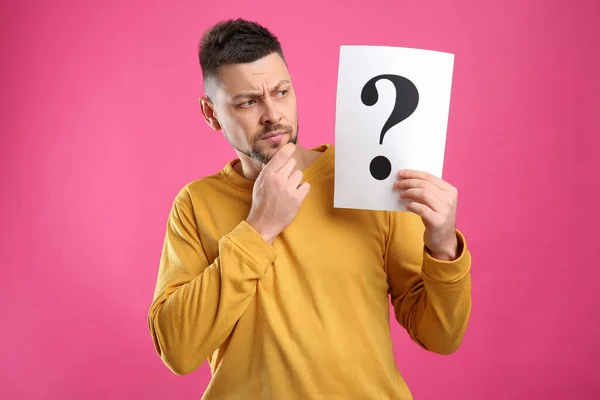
{"x":277,"y":194}
{"x":435,"y":201}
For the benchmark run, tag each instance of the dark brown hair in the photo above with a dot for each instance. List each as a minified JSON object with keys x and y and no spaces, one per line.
{"x":235,"y":41}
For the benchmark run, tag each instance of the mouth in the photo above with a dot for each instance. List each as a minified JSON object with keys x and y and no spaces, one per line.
{"x":274,"y":136}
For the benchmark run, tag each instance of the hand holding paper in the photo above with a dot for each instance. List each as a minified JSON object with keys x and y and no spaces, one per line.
{"x":435,"y":201}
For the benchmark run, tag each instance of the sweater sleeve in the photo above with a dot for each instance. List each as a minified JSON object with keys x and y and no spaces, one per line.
{"x":198,"y":301}
{"x":431,"y":298}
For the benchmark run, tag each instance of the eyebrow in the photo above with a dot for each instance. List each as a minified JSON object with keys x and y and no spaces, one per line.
{"x":256,"y":94}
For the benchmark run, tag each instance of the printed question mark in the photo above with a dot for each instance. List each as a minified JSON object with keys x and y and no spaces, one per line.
{"x":407,"y":99}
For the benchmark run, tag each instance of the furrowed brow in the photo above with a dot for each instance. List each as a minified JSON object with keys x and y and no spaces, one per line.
{"x":279,"y":85}
{"x":251,"y":95}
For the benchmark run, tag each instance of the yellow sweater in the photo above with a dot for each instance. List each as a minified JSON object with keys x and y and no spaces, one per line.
{"x":306,"y":317}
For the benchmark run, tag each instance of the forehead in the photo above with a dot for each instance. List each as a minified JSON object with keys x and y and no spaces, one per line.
{"x":237,"y":78}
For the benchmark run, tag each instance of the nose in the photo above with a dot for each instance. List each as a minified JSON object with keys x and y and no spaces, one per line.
{"x":270,"y":113}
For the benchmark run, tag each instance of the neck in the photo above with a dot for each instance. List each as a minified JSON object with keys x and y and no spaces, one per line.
{"x":250,"y":168}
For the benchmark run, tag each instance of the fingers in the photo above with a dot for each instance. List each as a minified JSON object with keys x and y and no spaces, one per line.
{"x":425,"y":197}
{"x":287,"y":168}
{"x":296,"y":178}
{"x":423,"y":211}
{"x":303,"y":190}
{"x":427,"y":177}
{"x":281,"y":157}
{"x":284,"y":165}
{"x":415,"y":183}
{"x":422,"y":191}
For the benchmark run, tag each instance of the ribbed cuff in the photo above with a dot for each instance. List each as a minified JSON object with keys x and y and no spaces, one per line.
{"x":448,"y":271}
{"x":253,"y":245}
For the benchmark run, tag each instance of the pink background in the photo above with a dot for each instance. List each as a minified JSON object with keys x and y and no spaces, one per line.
{"x":100,"y":128}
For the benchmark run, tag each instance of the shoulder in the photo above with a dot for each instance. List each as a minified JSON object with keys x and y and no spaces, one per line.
{"x":201,"y":190}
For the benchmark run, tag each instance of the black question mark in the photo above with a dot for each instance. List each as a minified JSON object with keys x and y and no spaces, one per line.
{"x":407,"y":99}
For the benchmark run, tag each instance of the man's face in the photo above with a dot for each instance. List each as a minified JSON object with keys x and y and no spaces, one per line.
{"x":255,"y":106}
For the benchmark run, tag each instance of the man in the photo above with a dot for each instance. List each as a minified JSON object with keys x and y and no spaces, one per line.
{"x":286,"y":296}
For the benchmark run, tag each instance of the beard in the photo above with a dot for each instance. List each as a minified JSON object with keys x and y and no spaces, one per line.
{"x":263,"y":156}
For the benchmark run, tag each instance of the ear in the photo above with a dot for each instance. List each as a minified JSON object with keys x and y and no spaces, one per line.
{"x":208,"y":111}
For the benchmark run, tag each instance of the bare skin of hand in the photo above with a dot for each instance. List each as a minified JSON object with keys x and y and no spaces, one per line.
{"x":277,"y":194}
{"x":435,"y":201}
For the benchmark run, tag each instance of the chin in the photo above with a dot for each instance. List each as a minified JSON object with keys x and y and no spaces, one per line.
{"x":266,"y":150}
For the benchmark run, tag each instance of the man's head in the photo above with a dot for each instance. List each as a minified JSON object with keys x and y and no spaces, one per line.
{"x":249,"y":92}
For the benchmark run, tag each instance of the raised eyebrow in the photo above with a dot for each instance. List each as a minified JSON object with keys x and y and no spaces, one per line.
{"x":254,"y":95}
{"x":248,"y":95}
{"x":279,"y":85}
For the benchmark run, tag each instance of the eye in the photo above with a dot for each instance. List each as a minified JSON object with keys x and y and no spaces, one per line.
{"x":282,"y":93}
{"x":247,"y":104}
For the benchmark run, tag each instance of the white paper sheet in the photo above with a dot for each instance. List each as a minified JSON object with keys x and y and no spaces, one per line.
{"x":424,"y":79}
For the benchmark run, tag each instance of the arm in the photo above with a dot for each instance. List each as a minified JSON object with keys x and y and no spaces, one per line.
{"x":197,"y":301}
{"x":431,"y":297}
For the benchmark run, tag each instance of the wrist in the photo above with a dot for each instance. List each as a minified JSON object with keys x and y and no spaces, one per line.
{"x":261,"y":230}
{"x":446,"y":253}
